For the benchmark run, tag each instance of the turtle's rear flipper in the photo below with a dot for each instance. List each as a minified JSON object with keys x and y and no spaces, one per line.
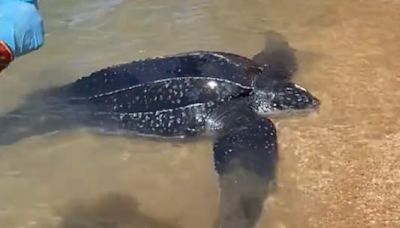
{"x":277,"y":57}
{"x":36,"y":118}
{"x":245,"y":156}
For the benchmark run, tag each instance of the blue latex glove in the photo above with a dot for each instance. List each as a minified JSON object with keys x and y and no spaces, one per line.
{"x":21,"y":26}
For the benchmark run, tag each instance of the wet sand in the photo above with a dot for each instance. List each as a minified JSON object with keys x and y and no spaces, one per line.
{"x":339,"y":168}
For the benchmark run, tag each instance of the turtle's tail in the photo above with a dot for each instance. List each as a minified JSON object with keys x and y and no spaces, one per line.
{"x":277,"y":57}
{"x":35,"y":118}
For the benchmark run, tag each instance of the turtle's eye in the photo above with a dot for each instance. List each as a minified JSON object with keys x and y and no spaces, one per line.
{"x":289,"y":96}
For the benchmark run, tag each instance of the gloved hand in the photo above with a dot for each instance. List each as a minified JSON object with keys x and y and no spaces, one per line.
{"x":21,"y":26}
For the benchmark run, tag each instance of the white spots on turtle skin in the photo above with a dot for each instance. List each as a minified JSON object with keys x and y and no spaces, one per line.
{"x":289,"y":91}
{"x":169,"y":122}
{"x":137,"y":115}
{"x":210,"y":104}
{"x":299,"y":98}
{"x":122,"y":116}
{"x":228,"y":151}
{"x":269,"y":146}
{"x":200,"y":118}
{"x":272,"y":132}
{"x":270,"y":135}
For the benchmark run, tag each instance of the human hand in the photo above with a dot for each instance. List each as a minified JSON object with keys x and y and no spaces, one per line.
{"x":21,"y":27}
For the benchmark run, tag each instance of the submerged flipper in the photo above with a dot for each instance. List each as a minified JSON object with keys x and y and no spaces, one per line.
{"x":277,"y":57}
{"x":35,"y":117}
{"x":245,"y":157}
{"x":14,"y":128}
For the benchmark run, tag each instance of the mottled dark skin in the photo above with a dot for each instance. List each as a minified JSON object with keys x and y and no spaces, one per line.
{"x":192,"y":64}
{"x":221,"y":95}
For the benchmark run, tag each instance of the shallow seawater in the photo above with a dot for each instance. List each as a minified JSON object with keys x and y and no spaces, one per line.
{"x":339,"y":167}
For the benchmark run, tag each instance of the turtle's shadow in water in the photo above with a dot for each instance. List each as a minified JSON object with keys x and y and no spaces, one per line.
{"x":112,"y":210}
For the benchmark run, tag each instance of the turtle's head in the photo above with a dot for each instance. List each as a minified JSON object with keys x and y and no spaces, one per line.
{"x":284,"y":98}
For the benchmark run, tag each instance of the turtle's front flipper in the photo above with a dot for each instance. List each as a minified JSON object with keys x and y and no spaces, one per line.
{"x":278,"y":57}
{"x":245,"y":156}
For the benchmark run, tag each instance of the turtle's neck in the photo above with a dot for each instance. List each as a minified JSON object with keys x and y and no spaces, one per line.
{"x":225,"y":115}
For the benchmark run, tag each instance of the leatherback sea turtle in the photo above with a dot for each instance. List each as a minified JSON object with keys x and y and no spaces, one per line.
{"x":218,"y":94}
